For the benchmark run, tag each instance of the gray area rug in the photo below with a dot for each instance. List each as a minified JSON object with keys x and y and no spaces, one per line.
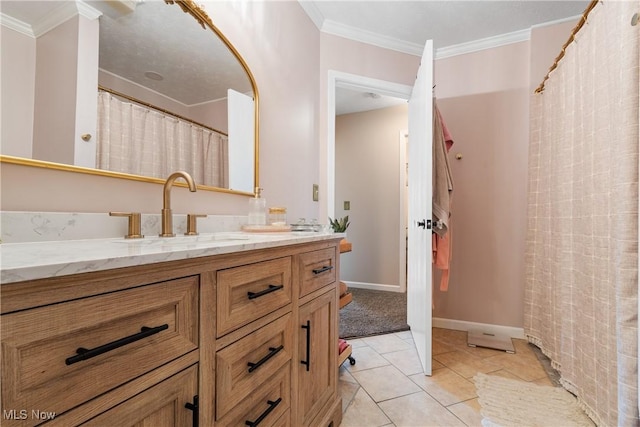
{"x":373,"y":313}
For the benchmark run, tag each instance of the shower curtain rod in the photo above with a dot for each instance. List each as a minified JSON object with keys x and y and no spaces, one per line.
{"x":577,"y":28}
{"x":162,"y":110}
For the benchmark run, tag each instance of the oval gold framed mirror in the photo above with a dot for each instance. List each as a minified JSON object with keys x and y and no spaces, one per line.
{"x":97,"y":70}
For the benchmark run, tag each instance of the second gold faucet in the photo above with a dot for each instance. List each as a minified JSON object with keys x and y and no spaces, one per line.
{"x":167,"y":217}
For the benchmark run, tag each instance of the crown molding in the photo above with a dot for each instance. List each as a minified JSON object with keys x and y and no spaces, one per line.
{"x":66,"y":11}
{"x":482,"y":44}
{"x":496,"y":41}
{"x":356,"y":34}
{"x":385,"y":42}
{"x":369,"y":37}
{"x":16,"y":25}
{"x":574,"y":18}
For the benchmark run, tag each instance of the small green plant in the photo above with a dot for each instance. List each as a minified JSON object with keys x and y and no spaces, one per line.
{"x":339,"y":225}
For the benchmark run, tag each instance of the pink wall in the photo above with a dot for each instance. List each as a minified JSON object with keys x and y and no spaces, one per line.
{"x":54,"y":114}
{"x":281,"y":46}
{"x":546,"y":42}
{"x":484,"y":97}
{"x":18,"y":91}
{"x":368,"y":175}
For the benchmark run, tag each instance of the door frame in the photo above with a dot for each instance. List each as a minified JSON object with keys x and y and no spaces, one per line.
{"x":403,"y":232}
{"x":337,"y":79}
{"x":340,"y":79}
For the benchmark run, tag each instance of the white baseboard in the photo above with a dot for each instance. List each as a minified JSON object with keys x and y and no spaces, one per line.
{"x":373,"y":286}
{"x":462,"y":325}
{"x":456,"y":325}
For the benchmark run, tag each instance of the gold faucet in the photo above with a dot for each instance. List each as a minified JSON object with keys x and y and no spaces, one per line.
{"x":167,"y":218}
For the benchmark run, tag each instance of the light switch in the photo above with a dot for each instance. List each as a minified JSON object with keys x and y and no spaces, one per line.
{"x":316,"y":190}
{"x":347,"y":205}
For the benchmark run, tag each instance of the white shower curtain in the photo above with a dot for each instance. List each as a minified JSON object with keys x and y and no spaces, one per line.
{"x":136,"y":140}
{"x":581,"y":293}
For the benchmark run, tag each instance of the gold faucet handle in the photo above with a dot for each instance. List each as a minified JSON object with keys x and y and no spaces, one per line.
{"x":191,"y":224}
{"x":135,"y":231}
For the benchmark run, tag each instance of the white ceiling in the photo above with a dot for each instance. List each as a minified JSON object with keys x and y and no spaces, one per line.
{"x":452,"y":25}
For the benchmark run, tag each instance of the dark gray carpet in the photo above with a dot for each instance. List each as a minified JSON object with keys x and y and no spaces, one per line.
{"x":373,"y":313}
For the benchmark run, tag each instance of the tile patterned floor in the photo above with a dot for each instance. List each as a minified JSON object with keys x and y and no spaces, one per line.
{"x":386,"y":386}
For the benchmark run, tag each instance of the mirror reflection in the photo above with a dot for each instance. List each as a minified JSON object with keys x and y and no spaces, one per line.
{"x":173,"y":95}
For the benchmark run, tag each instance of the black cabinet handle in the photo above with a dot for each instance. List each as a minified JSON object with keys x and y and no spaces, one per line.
{"x":272,"y":352}
{"x":270,"y":289}
{"x":323,"y":269}
{"x":195,"y":407}
{"x":272,"y":405}
{"x":308,"y":361}
{"x":84,"y":354}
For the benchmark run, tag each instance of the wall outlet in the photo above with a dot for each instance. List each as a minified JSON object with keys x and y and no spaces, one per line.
{"x":316,"y":191}
{"x":347,"y":205}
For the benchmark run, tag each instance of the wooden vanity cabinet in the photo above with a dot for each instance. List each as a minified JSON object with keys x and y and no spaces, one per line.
{"x":317,"y":403}
{"x":213,"y":341}
{"x":317,"y":377}
{"x":80,"y":346}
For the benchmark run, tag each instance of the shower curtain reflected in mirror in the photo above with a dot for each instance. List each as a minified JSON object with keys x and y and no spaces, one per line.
{"x":581,"y":292}
{"x":140,"y":141}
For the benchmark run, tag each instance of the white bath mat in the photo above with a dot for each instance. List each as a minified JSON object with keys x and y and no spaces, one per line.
{"x":506,"y":402}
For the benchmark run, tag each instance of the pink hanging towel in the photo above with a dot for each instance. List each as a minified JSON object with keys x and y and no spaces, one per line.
{"x":442,"y":250}
{"x":441,"y":241}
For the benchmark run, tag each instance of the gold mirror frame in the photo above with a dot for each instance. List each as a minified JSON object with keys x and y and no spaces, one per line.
{"x":190,"y":7}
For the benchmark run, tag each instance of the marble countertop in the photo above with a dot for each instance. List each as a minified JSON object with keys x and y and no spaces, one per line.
{"x":37,"y":260}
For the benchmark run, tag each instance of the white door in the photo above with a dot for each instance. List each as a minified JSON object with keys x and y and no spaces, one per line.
{"x":419,"y":294}
{"x":242,"y":147}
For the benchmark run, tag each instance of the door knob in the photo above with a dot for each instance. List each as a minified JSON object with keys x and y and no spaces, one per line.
{"x":425,"y":223}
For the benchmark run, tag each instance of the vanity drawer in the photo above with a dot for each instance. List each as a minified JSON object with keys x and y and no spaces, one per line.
{"x":317,"y":269}
{"x":162,"y":405}
{"x":59,"y":356}
{"x":251,"y":291}
{"x":246,"y":364}
{"x":269,"y":402}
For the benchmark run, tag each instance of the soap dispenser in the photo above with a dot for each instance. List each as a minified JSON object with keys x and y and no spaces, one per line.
{"x":257,"y":209}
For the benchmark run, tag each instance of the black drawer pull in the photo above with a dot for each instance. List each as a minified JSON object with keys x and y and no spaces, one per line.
{"x":272,"y":352}
{"x":307,"y":362}
{"x":195,"y":407}
{"x":84,"y":354}
{"x":272,"y":406}
{"x":323,"y":269}
{"x":270,"y":289}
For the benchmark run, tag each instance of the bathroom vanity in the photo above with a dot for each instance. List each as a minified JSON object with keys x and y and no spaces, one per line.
{"x":223,"y":329}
